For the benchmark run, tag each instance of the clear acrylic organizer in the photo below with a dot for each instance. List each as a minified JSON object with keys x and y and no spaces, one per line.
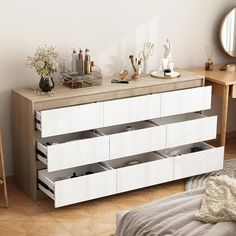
{"x":75,"y":80}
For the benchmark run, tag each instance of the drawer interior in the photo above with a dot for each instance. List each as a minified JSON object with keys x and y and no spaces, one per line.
{"x":178,"y":118}
{"x":186,"y":149}
{"x":50,"y":178}
{"x":125,"y":128}
{"x":68,"y":138}
{"x":38,"y":116}
{"x":132,"y":160}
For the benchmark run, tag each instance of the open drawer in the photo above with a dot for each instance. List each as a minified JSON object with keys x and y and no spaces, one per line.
{"x":135,"y":138}
{"x":195,"y":159}
{"x":69,"y":119}
{"x":141,"y":171}
{"x":93,"y":181}
{"x":73,"y":150}
{"x":188,"y":128}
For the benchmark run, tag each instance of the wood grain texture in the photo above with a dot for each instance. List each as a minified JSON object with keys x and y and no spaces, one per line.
{"x":217,"y":89}
{"x":65,"y":96}
{"x":225,"y":105}
{"x":233,"y":91}
{"x":3,"y":181}
{"x":105,"y":96}
{"x":216,"y":76}
{"x":24,"y":143}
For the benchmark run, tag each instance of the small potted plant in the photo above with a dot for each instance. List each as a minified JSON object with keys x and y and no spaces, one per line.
{"x":45,"y":62}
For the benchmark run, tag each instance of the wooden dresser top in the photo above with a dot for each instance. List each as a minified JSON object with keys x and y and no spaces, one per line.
{"x":108,"y":90}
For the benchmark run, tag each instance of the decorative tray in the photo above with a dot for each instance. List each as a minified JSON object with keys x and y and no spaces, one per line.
{"x":74,"y":80}
{"x":160,"y":75}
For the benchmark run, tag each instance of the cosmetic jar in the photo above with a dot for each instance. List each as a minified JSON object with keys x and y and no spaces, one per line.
{"x":167,"y":72}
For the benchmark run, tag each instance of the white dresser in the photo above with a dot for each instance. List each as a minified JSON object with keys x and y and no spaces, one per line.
{"x":97,"y":133}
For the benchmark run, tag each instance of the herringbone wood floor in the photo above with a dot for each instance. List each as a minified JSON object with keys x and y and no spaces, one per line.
{"x":25,"y":217}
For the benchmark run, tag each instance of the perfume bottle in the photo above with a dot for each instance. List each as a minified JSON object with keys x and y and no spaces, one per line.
{"x":87,"y":62}
{"x":209,"y":65}
{"x":93,"y":67}
{"x":73,"y":66}
{"x":80,"y":63}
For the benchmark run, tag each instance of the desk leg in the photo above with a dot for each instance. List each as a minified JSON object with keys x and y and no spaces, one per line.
{"x":225,"y":103}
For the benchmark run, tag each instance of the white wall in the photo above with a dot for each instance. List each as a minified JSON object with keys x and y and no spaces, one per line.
{"x":112,"y":29}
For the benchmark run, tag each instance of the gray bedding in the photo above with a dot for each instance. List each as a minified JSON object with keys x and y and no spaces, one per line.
{"x":173,"y":216}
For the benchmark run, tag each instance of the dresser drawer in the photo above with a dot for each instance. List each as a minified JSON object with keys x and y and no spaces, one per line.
{"x":69,"y":119}
{"x":142,"y":137}
{"x":133,"y":109}
{"x":187,"y":163}
{"x":185,"y":101}
{"x":152,"y":169}
{"x":65,"y":190}
{"x":73,"y":150}
{"x":188,"y":128}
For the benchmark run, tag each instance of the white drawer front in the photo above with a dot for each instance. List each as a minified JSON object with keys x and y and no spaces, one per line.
{"x":143,"y":175}
{"x":85,"y":188}
{"x":131,"y":109}
{"x":137,"y":142}
{"x":78,"y":153}
{"x":71,"y":119}
{"x":65,"y":190}
{"x":184,"y":101}
{"x":198,"y":163}
{"x":191,"y":131}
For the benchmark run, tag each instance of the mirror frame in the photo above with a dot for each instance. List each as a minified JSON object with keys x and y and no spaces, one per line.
{"x":220,"y":33}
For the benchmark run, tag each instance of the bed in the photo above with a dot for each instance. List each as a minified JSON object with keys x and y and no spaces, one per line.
{"x":171,"y":216}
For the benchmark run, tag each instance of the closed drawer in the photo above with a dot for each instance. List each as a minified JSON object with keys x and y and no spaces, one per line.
{"x":69,"y":119}
{"x":188,"y":128}
{"x":73,"y":150}
{"x":65,"y":190}
{"x":152,"y":169}
{"x":185,"y":101}
{"x":142,"y":137}
{"x":133,"y":109}
{"x":188,"y":163}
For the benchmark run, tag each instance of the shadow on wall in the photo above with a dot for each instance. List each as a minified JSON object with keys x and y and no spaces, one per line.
{"x":131,"y":43}
{"x":188,"y":49}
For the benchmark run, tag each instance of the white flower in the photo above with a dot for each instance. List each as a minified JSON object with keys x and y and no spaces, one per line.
{"x":39,"y":65}
{"x":54,"y":65}
{"x":45,"y":61}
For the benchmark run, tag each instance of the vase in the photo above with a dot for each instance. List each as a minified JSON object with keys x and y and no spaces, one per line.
{"x":46,"y":84}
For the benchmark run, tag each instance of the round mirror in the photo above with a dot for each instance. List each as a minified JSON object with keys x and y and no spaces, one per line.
{"x":228,"y":33}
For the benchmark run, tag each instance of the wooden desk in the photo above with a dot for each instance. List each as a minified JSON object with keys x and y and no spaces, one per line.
{"x":223,"y":85}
